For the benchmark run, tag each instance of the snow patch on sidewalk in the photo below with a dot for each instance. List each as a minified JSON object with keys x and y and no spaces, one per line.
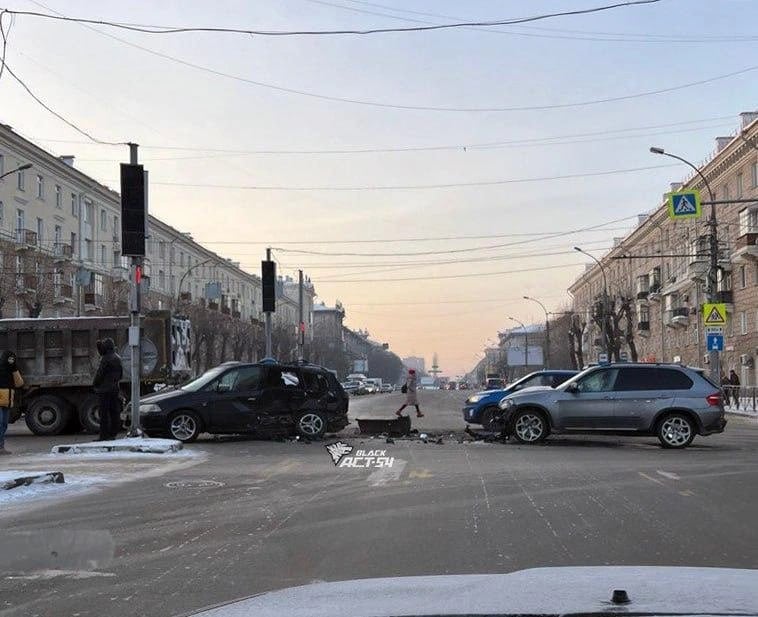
{"x":128,"y":445}
{"x":36,"y":492}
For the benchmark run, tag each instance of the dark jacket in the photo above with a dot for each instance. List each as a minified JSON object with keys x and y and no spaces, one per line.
{"x":733,"y":379}
{"x":110,"y":371}
{"x":7,"y":368}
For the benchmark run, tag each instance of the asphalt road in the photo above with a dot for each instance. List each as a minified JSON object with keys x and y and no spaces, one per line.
{"x":269,"y":515}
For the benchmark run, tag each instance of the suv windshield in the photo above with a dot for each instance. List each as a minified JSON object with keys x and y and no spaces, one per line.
{"x":204,"y":379}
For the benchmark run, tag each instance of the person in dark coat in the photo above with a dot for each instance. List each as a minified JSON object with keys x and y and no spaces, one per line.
{"x":734,"y":380}
{"x":10,"y":379}
{"x":106,"y":387}
{"x":726,"y":387}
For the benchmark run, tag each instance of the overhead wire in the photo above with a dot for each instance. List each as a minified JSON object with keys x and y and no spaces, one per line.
{"x":155,"y":29}
{"x":398,"y":106}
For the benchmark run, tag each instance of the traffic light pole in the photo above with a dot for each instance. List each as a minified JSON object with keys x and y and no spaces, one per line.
{"x":269,"y":350}
{"x":301,"y":319}
{"x":135,"y":343}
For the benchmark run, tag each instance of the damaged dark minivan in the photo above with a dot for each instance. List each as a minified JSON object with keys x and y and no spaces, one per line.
{"x":262,"y":399}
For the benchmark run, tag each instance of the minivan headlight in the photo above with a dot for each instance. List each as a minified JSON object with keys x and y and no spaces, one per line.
{"x":149,"y":408}
{"x":475,"y":399}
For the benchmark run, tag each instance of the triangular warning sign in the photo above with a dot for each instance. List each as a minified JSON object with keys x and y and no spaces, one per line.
{"x":714,"y":317}
{"x":684,"y":206}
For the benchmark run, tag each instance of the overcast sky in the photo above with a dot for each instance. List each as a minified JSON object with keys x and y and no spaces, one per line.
{"x":118,"y":92}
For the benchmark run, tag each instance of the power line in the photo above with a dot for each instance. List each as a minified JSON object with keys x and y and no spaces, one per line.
{"x":378,"y":104}
{"x":154,"y":29}
{"x":4,"y":35}
{"x":408,"y":187}
{"x":471,"y":301}
{"x":56,"y":114}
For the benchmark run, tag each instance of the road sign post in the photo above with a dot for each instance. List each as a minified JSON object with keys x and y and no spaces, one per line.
{"x":714,"y":342}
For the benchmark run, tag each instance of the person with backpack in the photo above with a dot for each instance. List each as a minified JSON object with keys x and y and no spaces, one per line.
{"x":10,"y":380}
{"x":105,"y":385}
{"x":411,"y":398}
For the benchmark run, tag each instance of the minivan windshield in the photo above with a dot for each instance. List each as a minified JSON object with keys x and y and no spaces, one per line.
{"x":204,"y":379}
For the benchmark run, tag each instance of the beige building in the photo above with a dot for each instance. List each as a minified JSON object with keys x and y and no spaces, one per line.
{"x":656,"y":276}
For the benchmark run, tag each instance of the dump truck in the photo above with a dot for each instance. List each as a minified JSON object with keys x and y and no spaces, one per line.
{"x":58,"y":359}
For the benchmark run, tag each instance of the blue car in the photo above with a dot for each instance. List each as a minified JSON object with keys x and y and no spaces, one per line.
{"x":481,"y":407}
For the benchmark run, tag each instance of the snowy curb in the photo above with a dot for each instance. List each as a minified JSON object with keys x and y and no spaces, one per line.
{"x":47,"y":477}
{"x":129,"y":444}
{"x":744,"y":414}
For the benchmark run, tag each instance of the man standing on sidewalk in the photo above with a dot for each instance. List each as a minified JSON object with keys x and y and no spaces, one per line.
{"x":10,"y":379}
{"x":105,"y":384}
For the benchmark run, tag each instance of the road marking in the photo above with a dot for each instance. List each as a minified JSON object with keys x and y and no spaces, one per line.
{"x":686,"y":493}
{"x":420,"y":473}
{"x":667,"y":474}
{"x":651,"y":478}
{"x":384,"y":475}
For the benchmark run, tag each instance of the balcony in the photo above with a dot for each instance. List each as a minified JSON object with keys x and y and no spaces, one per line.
{"x":643,"y":328}
{"x":212,"y":305}
{"x":63,"y":294}
{"x":746,"y":247}
{"x":26,"y":283}
{"x":119,"y":273}
{"x":26,"y":239}
{"x":678,"y":317}
{"x":225,"y":310}
{"x":62,"y":252}
{"x":185,"y":296}
{"x":236,"y":314}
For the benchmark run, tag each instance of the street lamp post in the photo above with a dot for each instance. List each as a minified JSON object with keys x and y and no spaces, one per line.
{"x":604,"y":329}
{"x":526,"y":344}
{"x":713,"y":356}
{"x":190,"y":269}
{"x":23,"y":167}
{"x":547,"y":330}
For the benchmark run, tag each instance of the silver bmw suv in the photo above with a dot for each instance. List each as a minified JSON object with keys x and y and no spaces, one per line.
{"x":670,"y":401}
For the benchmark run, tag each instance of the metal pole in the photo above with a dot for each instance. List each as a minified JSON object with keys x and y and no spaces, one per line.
{"x":301,"y":321}
{"x":134,"y":330}
{"x":660,"y":299}
{"x":604,"y":329}
{"x":269,"y":351}
{"x":714,"y":358}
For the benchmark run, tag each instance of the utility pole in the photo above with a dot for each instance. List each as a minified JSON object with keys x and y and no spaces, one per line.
{"x":270,"y":279}
{"x":301,"y":319}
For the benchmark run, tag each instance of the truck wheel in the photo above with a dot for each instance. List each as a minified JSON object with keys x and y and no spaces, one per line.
{"x":47,"y":415}
{"x":89,"y":414}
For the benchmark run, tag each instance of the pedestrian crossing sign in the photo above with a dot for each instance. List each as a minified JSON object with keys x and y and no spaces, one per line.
{"x":714,"y":314}
{"x":685,"y":205}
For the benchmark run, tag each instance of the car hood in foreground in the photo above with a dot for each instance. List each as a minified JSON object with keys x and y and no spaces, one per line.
{"x":538,"y":591}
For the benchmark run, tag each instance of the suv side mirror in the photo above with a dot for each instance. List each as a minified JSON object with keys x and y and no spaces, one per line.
{"x":573,"y":388}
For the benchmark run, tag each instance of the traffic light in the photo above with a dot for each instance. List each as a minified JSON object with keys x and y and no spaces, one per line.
{"x":268,"y":280}
{"x":133,"y":210}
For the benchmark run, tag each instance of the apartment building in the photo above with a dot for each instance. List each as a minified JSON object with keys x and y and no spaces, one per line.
{"x":60,"y":250}
{"x":656,"y":275}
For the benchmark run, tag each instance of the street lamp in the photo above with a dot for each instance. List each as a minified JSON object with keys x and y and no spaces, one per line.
{"x":713,"y":356}
{"x":23,"y":167}
{"x":526,"y":344}
{"x":604,"y":328}
{"x":190,"y":269}
{"x":547,"y":330}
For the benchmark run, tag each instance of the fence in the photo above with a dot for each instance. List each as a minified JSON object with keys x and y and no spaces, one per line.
{"x":741,"y":398}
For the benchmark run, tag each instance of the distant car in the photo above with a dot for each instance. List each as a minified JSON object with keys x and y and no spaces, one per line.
{"x":451,"y":385}
{"x":494,"y":383}
{"x":265,"y":398}
{"x":481,"y":408}
{"x":370,"y":387}
{"x":670,"y":401}
{"x":387,"y":387}
{"x":463,"y":386}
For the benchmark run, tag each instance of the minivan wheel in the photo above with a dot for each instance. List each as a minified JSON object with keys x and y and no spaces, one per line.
{"x":676,"y":430}
{"x":529,"y":426}
{"x":185,"y":426}
{"x":310,"y":424}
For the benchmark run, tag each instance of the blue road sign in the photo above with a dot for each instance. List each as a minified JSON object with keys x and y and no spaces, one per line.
{"x":715,"y":342}
{"x":684,"y":204}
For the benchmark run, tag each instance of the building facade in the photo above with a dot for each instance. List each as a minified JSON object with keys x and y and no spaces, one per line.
{"x":415,"y":362}
{"x":656,"y":276}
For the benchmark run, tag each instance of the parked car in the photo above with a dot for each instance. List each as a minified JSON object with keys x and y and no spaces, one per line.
{"x":387,"y":387}
{"x":670,"y":401}
{"x":451,"y":385}
{"x":463,"y":386}
{"x":481,"y":408}
{"x":302,"y":399}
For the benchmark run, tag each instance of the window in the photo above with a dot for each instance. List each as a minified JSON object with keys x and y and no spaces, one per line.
{"x":40,"y":231}
{"x":2,"y":164}
{"x":89,"y":213}
{"x":58,"y":196}
{"x":103,"y":254}
{"x":20,"y":219}
{"x":739,"y":184}
{"x":648,"y":378}
{"x":643,"y":314}
{"x":40,"y":187}
{"x":115,"y":227}
{"x":754,"y":174}
{"x":161,"y":279}
{"x":88,"y":250}
{"x":315,"y":383}
{"x":162,"y":249}
{"x":74,"y":205}
{"x":74,"y":247}
{"x":601,"y":380}
{"x":103,"y":220}
{"x":58,"y":234}
{"x":725,"y":192}
{"x":239,"y":380}
{"x":743,"y":322}
{"x":2,"y":210}
{"x":21,"y":180}
{"x":181,"y":259}
{"x":743,"y":277}
{"x":748,"y":221}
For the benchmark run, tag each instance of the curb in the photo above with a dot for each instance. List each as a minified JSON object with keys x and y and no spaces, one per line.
{"x":51,"y":477}
{"x":743,"y":414}
{"x":85,"y":448}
